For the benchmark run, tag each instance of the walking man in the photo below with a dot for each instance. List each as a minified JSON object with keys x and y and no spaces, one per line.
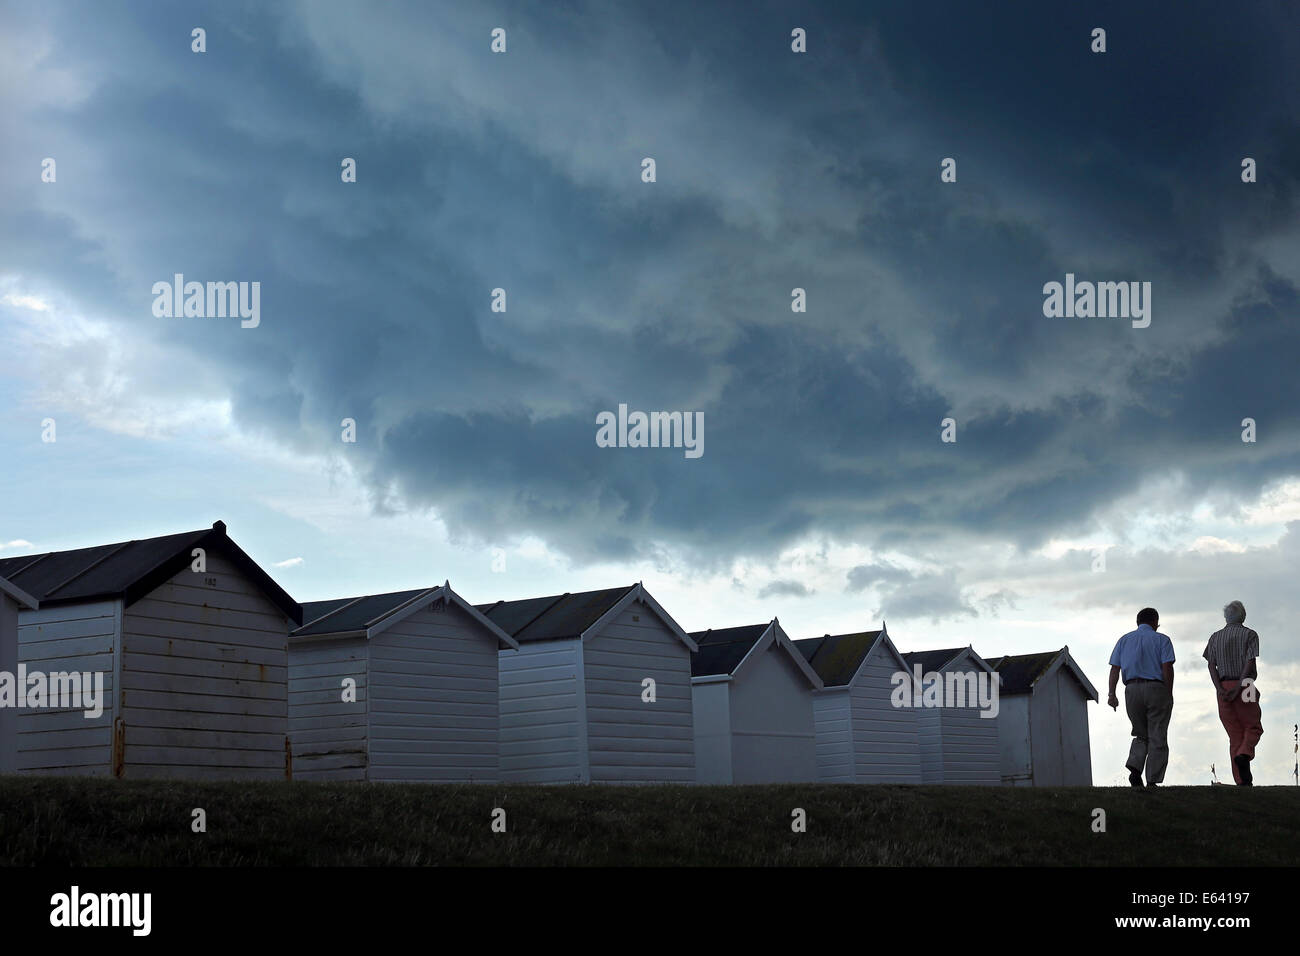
{"x":1231,"y":653}
{"x":1145,"y":658}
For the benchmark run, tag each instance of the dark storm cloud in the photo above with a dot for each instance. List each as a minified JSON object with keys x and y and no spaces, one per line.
{"x":928,"y":594}
{"x":776,"y":171}
{"x":865,"y":575}
{"x":786,"y":589}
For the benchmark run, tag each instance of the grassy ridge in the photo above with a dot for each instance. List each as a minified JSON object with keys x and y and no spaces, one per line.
{"x":85,"y":822}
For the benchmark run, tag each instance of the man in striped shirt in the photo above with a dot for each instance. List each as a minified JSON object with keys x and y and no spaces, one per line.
{"x":1231,"y":654}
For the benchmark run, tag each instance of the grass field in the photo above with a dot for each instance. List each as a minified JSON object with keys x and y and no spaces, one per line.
{"x":58,"y":822}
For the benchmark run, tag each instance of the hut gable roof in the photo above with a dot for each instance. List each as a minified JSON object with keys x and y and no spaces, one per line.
{"x":371,"y":614}
{"x":933,"y":660}
{"x":554,"y":618}
{"x":721,"y":651}
{"x":1020,"y":672}
{"x":352,"y":614}
{"x":940,"y":660}
{"x":724,"y":651}
{"x":572,"y":616}
{"x":837,"y":658}
{"x":131,"y":569}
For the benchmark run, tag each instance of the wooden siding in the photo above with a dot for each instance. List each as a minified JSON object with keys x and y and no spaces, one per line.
{"x":969,"y":747}
{"x":630,"y":740}
{"x":205,"y":679}
{"x":1045,"y":734}
{"x":1058,"y":719}
{"x":8,"y":664}
{"x":328,"y":734}
{"x":433,"y":699}
{"x":1043,"y":737}
{"x":774,"y":737}
{"x":75,"y":637}
{"x":711,"y":716}
{"x":885,"y":741}
{"x":929,"y":738}
{"x":835,"y":761}
{"x":1013,"y":740}
{"x":1076,"y":749}
{"x":957,"y":745}
{"x":540,"y":726}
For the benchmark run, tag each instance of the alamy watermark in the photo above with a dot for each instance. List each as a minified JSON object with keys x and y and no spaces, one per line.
{"x":75,"y":909}
{"x":651,"y":430}
{"x":1101,"y":300}
{"x":212,"y":300}
{"x":949,"y":689}
{"x":57,"y":690}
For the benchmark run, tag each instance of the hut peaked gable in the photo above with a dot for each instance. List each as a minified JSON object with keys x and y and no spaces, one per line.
{"x":638,"y":594}
{"x":130,"y":570}
{"x":1055,"y":662}
{"x":882,"y":644}
{"x":741,"y":645}
{"x":943,"y":660}
{"x":775,"y":634}
{"x":386,"y":614}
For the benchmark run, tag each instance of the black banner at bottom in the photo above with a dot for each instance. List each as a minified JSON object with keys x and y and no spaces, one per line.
{"x":637,"y":907}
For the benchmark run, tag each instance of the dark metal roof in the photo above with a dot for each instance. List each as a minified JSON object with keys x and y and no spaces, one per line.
{"x":131,"y":569}
{"x":313,"y":611}
{"x":1019,"y":671}
{"x":931,"y":660}
{"x":514,"y":616}
{"x":722,"y":650}
{"x":836,"y":658}
{"x":351,"y":614}
{"x":552,"y":618}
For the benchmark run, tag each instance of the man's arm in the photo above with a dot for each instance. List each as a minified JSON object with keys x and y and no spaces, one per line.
{"x":1114,"y":679}
{"x":1214,"y":670}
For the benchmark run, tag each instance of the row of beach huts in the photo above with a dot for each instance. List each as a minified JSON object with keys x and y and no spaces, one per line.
{"x":211,"y":670}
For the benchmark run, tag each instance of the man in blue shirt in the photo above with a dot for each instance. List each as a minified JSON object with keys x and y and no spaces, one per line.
{"x":1145,"y":657}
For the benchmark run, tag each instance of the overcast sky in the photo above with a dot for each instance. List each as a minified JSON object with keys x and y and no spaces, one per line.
{"x":825,"y":494}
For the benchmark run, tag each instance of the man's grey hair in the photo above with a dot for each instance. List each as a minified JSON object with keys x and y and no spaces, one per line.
{"x":1234,"y":612}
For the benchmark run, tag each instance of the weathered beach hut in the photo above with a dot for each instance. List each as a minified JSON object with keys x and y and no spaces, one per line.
{"x":752,"y":694}
{"x":861,"y":736}
{"x":189,"y":637}
{"x":958,"y":744}
{"x":599,"y":690}
{"x":1043,"y":720}
{"x":12,"y":600}
{"x":422,"y":702}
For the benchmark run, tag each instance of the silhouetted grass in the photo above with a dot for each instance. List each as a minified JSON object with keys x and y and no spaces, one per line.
{"x":89,"y":822}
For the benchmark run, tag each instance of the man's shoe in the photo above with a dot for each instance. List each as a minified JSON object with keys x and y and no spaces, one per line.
{"x":1243,"y":771}
{"x":1153,"y":786}
{"x":1134,"y":779}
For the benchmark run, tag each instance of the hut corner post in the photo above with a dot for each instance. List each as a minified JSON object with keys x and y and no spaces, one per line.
{"x":119,"y":747}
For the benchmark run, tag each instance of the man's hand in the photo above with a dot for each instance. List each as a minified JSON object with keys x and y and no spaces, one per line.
{"x":1232,"y":694}
{"x":1113,"y":701}
{"x":1223,"y":694}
